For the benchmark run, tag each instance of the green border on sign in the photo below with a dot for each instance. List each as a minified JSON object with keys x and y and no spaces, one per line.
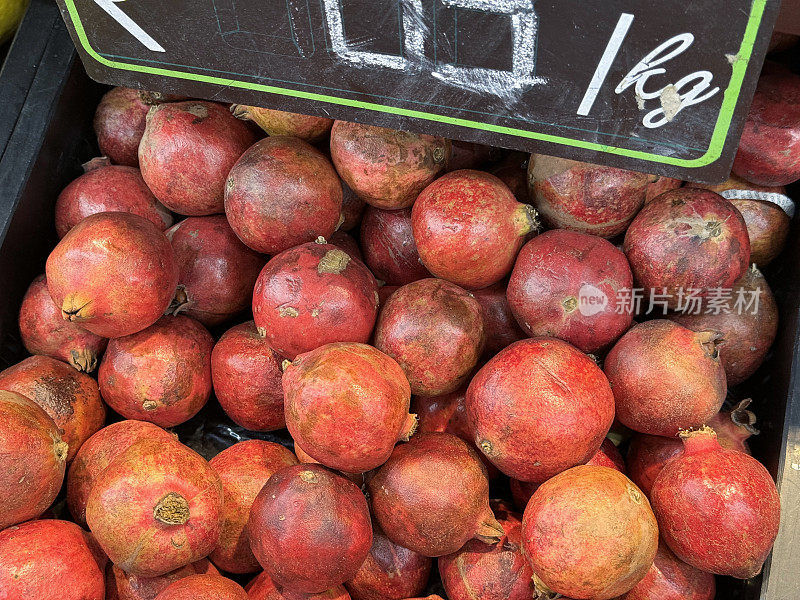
{"x":714,"y":151}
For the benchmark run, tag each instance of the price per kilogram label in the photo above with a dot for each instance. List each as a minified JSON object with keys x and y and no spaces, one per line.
{"x":657,"y":86}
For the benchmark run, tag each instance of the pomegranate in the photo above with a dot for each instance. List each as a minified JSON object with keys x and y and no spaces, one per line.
{"x":647,"y":455}
{"x":539,"y":407}
{"x":244,"y":468}
{"x":124,"y":586}
{"x":156,"y":508}
{"x":469,"y":228}
{"x":277,"y":122}
{"x":386,"y":168}
{"x":357,"y":432}
{"x":566,"y":285}
{"x":203,"y":587}
{"x":665,"y":377}
{"x":385,"y":291}
{"x":389,"y":247}
{"x":728,"y":533}
{"x":217,"y":271}
{"x":312,"y":295}
{"x":781,"y":42}
{"x":282,"y":192}
{"x":468,"y":155}
{"x":513,"y":172}
{"x":263,"y":588}
{"x":672,"y":579}
{"x":432,"y":496}
{"x":352,"y":208}
{"x":70,"y":398}
{"x":247,"y":379}
{"x":734,"y":427}
{"x":186,"y":152}
{"x":346,"y":242}
{"x":119,"y":124}
{"x":499,"y":323}
{"x":434,"y":330}
{"x":45,"y":332}
{"x":114,"y":274}
{"x":310,"y":528}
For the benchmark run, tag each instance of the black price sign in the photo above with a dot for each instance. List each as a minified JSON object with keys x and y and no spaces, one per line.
{"x":655,"y":86}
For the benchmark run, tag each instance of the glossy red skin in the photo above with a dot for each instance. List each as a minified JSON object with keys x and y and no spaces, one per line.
{"x":389,"y":248}
{"x":50,"y":560}
{"x":119,"y":125}
{"x":385,"y":291}
{"x":469,"y":228}
{"x":281,"y":193}
{"x":162,"y":374}
{"x":124,"y":586}
{"x":555,"y":276}
{"x":589,"y":533}
{"x":217,"y":271}
{"x":672,"y":579}
{"x":434,"y":330}
{"x":108,"y":189}
{"x":747,"y":337}
{"x":263,"y":588}
{"x":98,"y":452}
{"x":499,"y":323}
{"x":247,"y":379}
{"x":44,"y":331}
{"x":244,"y":468}
{"x":432,"y":496}
{"x":313,"y":295}
{"x":277,"y":122}
{"x":386,"y":168}
{"x":114,"y":274}
{"x":468,"y":155}
{"x":32,"y":459}
{"x":127,"y":497}
{"x":664,"y":378}
{"x":71,"y":398}
{"x":310,"y":528}
{"x":346,"y":242}
{"x":539,"y":407}
{"x":187,"y":151}
{"x":352,"y":208}
{"x":687,"y":238}
{"x":725,"y":534}
{"x":203,"y":587}
{"x":347,"y":405}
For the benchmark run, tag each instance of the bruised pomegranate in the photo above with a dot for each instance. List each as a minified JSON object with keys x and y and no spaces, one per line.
{"x":687,"y":239}
{"x":566,"y":285}
{"x":186,"y":152}
{"x":665,"y":377}
{"x":282,"y":192}
{"x":389,"y":248}
{"x":119,"y":125}
{"x":203,"y":587}
{"x":44,"y":331}
{"x":386,"y":168}
{"x":162,"y":374}
{"x":499,"y":323}
{"x":217,"y":271}
{"x":71,"y":398}
{"x":310,"y":528}
{"x":434,"y":330}
{"x":156,"y":508}
{"x":589,"y":533}
{"x":728,"y":533}
{"x":263,"y":588}
{"x":432,"y":496}
{"x":114,"y":274}
{"x":539,"y":407}
{"x":277,"y":122}
{"x":247,"y":379}
{"x":469,"y":228}
{"x":313,"y":295}
{"x":672,"y":579}
{"x":358,"y":431}
{"x":124,"y":586}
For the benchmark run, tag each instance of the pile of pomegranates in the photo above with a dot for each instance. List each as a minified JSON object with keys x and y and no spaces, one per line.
{"x":443,"y":372}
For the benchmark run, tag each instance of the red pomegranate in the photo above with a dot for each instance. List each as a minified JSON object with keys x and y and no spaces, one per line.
{"x":156,"y":508}
{"x":728,"y":533}
{"x":665,"y":377}
{"x":312,"y":295}
{"x":162,"y":374}
{"x":203,"y":587}
{"x":357,"y":433}
{"x":71,"y":398}
{"x":352,"y":208}
{"x":247,"y":379}
{"x":114,"y":274}
{"x":432,"y":496}
{"x":310,"y":528}
{"x":469,"y":228}
{"x":687,"y":239}
{"x":647,"y":455}
{"x":735,"y":427}
{"x":50,"y":560}
{"x":119,"y":125}
{"x":389,"y":247}
{"x":539,"y":407}
{"x":277,"y":122}
{"x":217,"y":271}
{"x":346,"y":242}
{"x":513,"y":172}
{"x":282,"y":192}
{"x":124,"y":586}
{"x":468,"y":155}
{"x":186,"y":152}
{"x":499,"y":323}
{"x":263,"y":588}
{"x":44,"y":331}
{"x":589,"y":533}
{"x":386,"y":168}
{"x":672,"y":579}
{"x":434,"y":330}
{"x":567,"y":285}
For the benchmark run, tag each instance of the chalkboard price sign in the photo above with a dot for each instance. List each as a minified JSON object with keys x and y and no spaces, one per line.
{"x":656,"y":86}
